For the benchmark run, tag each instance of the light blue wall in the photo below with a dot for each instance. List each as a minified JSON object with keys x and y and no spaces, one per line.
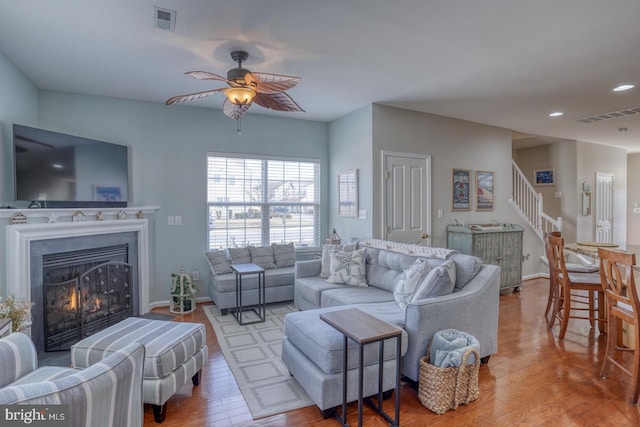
{"x":167,"y":150}
{"x":350,"y":147}
{"x":18,"y":104}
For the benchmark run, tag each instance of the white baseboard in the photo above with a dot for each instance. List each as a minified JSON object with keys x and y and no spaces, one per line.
{"x":157,"y":304}
{"x":535,"y":276}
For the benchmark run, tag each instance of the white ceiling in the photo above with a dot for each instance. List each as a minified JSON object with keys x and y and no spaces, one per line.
{"x":507,"y":63}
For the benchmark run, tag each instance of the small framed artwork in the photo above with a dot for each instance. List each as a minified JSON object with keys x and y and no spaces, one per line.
{"x":348,"y":193}
{"x":484,"y":191}
{"x":460,"y":189}
{"x":544,"y":177}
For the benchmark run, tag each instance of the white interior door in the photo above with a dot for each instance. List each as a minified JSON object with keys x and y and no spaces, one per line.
{"x":407,"y":197}
{"x":604,"y":207}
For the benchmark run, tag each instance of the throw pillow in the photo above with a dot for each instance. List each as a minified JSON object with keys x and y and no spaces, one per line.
{"x":348,"y":268}
{"x":325,"y":269}
{"x":240,"y":255}
{"x":262,"y":256}
{"x":467,"y":267}
{"x":219,"y":260}
{"x":407,"y":281}
{"x":284,"y":255}
{"x":439,"y":281}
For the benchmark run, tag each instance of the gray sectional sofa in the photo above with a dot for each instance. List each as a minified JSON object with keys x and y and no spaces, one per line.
{"x":277,"y":260}
{"x":312,"y":350}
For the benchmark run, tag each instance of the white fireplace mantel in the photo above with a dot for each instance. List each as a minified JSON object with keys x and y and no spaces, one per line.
{"x":20,"y":236}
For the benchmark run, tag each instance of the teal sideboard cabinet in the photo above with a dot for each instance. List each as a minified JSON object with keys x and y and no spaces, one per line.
{"x":497,"y":245}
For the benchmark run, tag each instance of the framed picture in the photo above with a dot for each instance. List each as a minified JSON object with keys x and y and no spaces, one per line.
{"x":544,"y":177}
{"x":348,"y":193}
{"x":484,"y":191}
{"x":460,"y":189}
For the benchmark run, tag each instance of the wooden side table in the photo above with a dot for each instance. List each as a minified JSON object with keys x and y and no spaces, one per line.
{"x":243,"y":270}
{"x":5,"y":327}
{"x":364,"y":328}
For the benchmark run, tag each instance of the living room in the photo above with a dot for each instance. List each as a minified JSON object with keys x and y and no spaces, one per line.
{"x":168,"y":148}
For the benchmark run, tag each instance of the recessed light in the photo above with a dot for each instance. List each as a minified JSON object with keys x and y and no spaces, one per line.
{"x":556,"y":114}
{"x":57,"y":166}
{"x":623,"y":87}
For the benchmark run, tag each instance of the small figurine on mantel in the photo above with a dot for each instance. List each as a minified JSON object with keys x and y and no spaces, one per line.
{"x":139,"y":215}
{"x":53,"y":217}
{"x":18,"y":218}
{"x":122,"y":215}
{"x":100,"y":216}
{"x":78,"y":216}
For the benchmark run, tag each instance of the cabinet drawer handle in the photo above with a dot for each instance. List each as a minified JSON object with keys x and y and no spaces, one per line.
{"x":499,"y":258}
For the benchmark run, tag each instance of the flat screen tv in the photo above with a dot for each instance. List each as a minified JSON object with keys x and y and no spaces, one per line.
{"x":57,"y":170}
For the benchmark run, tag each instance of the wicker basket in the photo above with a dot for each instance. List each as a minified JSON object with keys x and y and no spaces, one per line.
{"x":442,"y":389}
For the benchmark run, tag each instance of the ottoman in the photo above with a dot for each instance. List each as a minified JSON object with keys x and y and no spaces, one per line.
{"x":174,"y":352}
{"x":313,"y":353}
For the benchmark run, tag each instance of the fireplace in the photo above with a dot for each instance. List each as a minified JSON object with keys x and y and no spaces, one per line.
{"x":84,"y":292}
{"x":29,"y":247}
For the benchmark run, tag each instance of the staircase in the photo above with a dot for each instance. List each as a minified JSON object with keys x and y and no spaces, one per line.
{"x":529,"y":204}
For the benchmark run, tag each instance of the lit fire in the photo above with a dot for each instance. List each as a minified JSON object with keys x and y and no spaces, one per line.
{"x":74,"y":301}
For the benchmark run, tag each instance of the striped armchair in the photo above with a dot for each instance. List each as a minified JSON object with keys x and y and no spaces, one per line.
{"x":107,"y":393}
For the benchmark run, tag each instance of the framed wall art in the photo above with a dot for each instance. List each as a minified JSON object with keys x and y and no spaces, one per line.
{"x":484,"y":191}
{"x":460,"y":189}
{"x":544,"y":177}
{"x":348,"y":193}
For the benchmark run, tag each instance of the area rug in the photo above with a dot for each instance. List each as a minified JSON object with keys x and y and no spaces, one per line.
{"x":253,"y":353}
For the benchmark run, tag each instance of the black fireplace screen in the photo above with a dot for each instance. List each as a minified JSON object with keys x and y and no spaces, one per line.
{"x":83,"y":299}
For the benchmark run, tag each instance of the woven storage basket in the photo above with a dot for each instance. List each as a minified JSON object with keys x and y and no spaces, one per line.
{"x":441,"y":389}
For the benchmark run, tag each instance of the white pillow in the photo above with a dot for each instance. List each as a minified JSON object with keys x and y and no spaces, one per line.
{"x":325,"y":269}
{"x":439,"y":281}
{"x":348,"y":268}
{"x":407,"y":281}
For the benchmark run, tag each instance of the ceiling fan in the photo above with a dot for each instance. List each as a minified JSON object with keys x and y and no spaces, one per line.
{"x":245,"y":87}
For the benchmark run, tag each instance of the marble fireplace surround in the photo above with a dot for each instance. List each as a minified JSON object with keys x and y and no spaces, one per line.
{"x":20,"y":237}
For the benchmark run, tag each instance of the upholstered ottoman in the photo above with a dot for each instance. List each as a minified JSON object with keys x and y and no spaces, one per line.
{"x":175,"y":352}
{"x":313,"y":353}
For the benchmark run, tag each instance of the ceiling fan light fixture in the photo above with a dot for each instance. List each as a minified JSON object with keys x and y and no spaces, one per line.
{"x":240,"y":95}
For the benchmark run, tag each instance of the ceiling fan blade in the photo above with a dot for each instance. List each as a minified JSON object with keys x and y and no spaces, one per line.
{"x":272,"y":83}
{"x":235,"y":111}
{"x":205,"y":75}
{"x":191,"y":96}
{"x":279,"y":101}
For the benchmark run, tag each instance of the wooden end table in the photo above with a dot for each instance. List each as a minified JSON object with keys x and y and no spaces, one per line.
{"x":260,"y":310}
{"x":364,"y":328}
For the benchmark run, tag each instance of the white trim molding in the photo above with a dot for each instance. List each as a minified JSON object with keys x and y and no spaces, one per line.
{"x":20,"y":236}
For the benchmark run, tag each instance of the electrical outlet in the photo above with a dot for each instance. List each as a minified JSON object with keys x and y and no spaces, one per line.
{"x":178,"y":220}
{"x":195,"y":275}
{"x":171,"y":220}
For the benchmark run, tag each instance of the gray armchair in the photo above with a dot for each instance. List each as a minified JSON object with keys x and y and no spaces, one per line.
{"x":108,"y":393}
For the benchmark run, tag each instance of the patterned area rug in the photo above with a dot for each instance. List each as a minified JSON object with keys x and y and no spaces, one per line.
{"x":253,"y":353}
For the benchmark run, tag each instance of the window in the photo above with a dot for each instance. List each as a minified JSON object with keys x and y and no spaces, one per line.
{"x":259,"y":201}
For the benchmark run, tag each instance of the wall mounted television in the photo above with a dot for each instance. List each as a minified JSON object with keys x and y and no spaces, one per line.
{"x":54,"y":170}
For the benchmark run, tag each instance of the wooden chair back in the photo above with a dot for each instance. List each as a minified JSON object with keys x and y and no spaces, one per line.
{"x":618,"y":282}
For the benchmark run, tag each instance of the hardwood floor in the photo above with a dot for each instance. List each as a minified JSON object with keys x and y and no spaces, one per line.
{"x":533,"y":380}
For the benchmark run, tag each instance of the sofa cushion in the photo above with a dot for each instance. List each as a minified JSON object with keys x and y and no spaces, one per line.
{"x":353,"y":295}
{"x":262,"y":256}
{"x":325,"y":271}
{"x":383,"y":267}
{"x":219,"y":260}
{"x":324,"y":345}
{"x":407,"y":281}
{"x":440,"y":281}
{"x":311,"y":288}
{"x":348,"y":268}
{"x":272,"y":278}
{"x":284,"y":254}
{"x":467,"y":267}
{"x":240,"y":255}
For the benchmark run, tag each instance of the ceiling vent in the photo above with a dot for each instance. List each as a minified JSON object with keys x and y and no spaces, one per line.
{"x":610,"y":115}
{"x":164,"y":19}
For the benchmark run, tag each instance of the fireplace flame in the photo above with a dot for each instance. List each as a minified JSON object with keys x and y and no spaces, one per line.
{"x":72,"y":302}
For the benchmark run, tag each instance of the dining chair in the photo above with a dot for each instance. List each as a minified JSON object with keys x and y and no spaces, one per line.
{"x":553,"y":287}
{"x":617,"y":277}
{"x":570,"y":301}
